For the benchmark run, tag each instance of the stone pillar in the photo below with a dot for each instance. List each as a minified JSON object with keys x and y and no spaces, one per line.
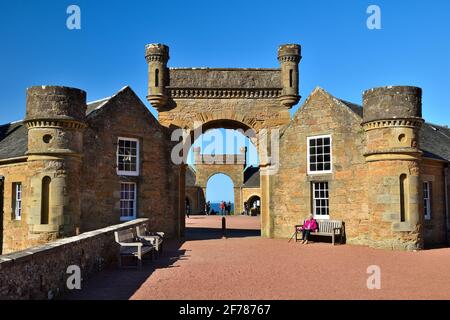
{"x":266,"y":219}
{"x":181,"y":204}
{"x":392,"y":120}
{"x":55,"y":119}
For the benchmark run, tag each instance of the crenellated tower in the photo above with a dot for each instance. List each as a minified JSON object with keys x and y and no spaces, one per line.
{"x":392,"y":119}
{"x":55,"y":118}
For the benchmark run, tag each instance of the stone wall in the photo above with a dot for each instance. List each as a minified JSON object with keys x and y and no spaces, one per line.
{"x":157,"y":185}
{"x":41,"y":272}
{"x":291,"y":187}
{"x":16,"y":233}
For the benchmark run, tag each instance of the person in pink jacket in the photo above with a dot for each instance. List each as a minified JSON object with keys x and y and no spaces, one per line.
{"x":310,"y":225}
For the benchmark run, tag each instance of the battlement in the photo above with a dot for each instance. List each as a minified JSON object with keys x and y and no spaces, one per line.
{"x":167,"y":84}
{"x":56,"y":103}
{"x":393,"y":102}
{"x":216,"y":78}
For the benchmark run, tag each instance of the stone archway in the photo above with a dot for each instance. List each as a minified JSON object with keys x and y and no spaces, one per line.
{"x":233,"y":166}
{"x":232,"y":98}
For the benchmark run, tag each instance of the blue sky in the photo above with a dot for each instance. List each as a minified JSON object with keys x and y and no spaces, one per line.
{"x":340,"y":53}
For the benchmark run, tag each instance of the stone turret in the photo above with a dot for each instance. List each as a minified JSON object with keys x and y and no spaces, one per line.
{"x":157,"y":56}
{"x":392,"y":119}
{"x":55,"y":118}
{"x":289,"y":56}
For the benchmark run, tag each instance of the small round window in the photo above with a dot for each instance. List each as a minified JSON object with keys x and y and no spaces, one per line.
{"x":47,"y":138}
{"x":402,"y":138}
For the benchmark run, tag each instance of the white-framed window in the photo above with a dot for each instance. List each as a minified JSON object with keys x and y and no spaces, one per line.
{"x":427,"y":200}
{"x":319,"y":154}
{"x":320,"y":200}
{"x":127,"y":156}
{"x":127,"y":201}
{"x":17,"y":201}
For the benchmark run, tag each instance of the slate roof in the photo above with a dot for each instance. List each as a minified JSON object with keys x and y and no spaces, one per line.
{"x":435,"y":141}
{"x":13,"y":140}
{"x":251,"y":177}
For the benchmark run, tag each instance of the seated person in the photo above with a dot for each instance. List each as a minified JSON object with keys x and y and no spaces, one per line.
{"x":310,"y":225}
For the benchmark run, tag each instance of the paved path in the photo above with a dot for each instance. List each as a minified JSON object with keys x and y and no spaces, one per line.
{"x":245,"y":266}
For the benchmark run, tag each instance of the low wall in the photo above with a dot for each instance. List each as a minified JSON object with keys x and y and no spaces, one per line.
{"x":41,"y":272}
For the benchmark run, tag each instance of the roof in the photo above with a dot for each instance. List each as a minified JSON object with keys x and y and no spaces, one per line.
{"x":251,"y":177}
{"x":434,"y":141}
{"x":356,"y":108}
{"x":13,"y":140}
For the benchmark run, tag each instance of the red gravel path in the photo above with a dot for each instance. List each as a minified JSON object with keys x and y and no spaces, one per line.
{"x":245,"y":266}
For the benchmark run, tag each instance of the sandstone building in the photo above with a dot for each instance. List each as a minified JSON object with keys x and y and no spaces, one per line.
{"x":69,"y":166}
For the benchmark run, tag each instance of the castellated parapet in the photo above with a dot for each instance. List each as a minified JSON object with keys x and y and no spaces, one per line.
{"x":392,"y":119}
{"x":55,"y":119}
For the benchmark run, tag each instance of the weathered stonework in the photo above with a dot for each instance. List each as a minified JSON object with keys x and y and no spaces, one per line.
{"x":382,"y":153}
{"x":41,"y":272}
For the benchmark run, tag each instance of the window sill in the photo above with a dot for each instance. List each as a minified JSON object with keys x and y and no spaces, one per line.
{"x":322,"y":217}
{"x":125,"y":219}
{"x":127,"y":174}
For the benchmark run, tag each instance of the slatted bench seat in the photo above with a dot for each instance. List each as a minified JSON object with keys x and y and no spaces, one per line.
{"x":327,"y":228}
{"x":154,"y":238}
{"x":130,"y":247}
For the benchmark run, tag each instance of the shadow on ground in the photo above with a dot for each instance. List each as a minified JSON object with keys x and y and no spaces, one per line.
{"x":120,"y":284}
{"x":193,"y":234}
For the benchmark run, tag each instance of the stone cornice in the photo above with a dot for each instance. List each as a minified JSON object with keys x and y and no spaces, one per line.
{"x":386,"y":123}
{"x":393,"y":154}
{"x":287,"y":58}
{"x":56,"y":123}
{"x":224,"y":93}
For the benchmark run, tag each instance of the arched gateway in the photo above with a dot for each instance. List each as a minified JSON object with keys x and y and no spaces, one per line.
{"x":244,"y":99}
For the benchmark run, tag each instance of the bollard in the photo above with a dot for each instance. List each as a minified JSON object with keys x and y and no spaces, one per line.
{"x":224,"y":227}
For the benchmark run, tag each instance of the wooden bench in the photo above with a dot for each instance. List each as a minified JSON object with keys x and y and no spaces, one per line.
{"x":327,"y":228}
{"x":154,"y":238}
{"x":130,"y":247}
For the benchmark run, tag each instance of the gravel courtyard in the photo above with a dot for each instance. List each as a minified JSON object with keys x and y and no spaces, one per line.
{"x":245,"y":266}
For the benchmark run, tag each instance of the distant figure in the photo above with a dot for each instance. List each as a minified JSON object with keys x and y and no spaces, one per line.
{"x":246,"y":208}
{"x":188,"y":208}
{"x":229,"y":207}
{"x":310,"y":225}
{"x":222,"y":207}
{"x":207,"y":208}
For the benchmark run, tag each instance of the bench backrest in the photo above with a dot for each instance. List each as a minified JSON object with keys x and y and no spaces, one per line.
{"x":327,"y":226}
{"x":141,"y":230}
{"x":124,"y":236}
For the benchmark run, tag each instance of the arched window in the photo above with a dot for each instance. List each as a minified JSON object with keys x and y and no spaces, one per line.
{"x":45,"y":200}
{"x":291,"y":78}
{"x":157,"y":78}
{"x":403,"y":197}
